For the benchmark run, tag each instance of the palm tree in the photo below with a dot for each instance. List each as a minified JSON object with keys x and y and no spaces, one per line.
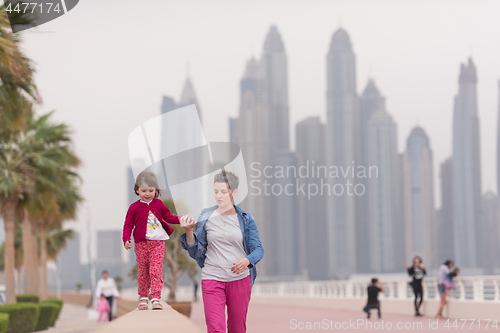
{"x":17,"y":91}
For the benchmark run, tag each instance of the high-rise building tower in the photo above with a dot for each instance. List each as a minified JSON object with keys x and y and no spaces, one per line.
{"x":498,"y":143}
{"x":310,"y":147}
{"x":418,"y":195}
{"x":467,"y":199}
{"x":490,"y":233}
{"x":275,"y":71}
{"x":445,"y":247}
{"x":383,"y":191}
{"x":342,"y":113}
{"x":371,"y":101}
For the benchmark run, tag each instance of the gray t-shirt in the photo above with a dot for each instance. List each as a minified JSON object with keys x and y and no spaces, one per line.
{"x":225,"y":247}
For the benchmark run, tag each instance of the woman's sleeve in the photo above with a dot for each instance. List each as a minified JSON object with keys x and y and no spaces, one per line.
{"x":410,"y":271}
{"x":128,"y":226}
{"x":199,"y":245}
{"x":256,"y":249}
{"x":98,"y":289}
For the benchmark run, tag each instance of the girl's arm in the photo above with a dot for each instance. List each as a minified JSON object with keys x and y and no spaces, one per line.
{"x":129,"y":224}
{"x":256,"y":249}
{"x":167,"y":216}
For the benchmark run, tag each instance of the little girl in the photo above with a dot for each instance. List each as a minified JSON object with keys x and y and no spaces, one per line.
{"x":148,"y":218}
{"x":103,"y":309}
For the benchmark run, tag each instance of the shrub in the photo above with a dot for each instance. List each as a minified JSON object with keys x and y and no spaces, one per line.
{"x":55,"y":312}
{"x":28,"y":298}
{"x":48,"y":312}
{"x":4,"y":322}
{"x":58,"y":302}
{"x":23,"y":317}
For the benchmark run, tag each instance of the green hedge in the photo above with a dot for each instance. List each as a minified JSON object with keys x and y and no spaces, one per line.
{"x":48,"y":312}
{"x":4,"y":322}
{"x":55,"y":312}
{"x":23,"y":317}
{"x":58,"y":302}
{"x":28,"y":298}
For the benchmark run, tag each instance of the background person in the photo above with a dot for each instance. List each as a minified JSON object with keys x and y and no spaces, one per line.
{"x":373,"y":303}
{"x":106,"y":286}
{"x":226,"y":245}
{"x":444,"y":270}
{"x":417,"y":271}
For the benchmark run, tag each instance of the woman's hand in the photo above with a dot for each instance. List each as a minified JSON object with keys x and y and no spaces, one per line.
{"x":240,"y":265}
{"x":187,"y":222}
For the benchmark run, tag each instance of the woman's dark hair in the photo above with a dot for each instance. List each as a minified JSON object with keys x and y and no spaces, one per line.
{"x":229,"y":178}
{"x":148,"y":178}
{"x":419,"y":259}
{"x":447,"y":262}
{"x":374,"y":280}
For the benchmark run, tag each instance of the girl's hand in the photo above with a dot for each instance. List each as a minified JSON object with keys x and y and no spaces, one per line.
{"x":128,"y":245}
{"x":240,"y":265}
{"x":406,"y":266}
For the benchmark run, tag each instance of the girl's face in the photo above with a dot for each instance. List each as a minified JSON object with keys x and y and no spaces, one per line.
{"x":223,"y":195}
{"x":146,"y":192}
{"x":416,"y":262}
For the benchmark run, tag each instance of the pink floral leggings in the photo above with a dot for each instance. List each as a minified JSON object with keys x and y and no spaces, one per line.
{"x":149,"y":256}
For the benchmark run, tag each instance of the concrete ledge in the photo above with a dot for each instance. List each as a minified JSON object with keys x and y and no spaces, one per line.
{"x":151,"y":320}
{"x":454,"y":309}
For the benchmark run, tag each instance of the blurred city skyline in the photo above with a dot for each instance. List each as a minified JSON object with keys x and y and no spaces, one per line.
{"x":105,"y":79}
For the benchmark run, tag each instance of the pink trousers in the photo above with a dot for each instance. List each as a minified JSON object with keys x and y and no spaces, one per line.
{"x":234,"y":294}
{"x":103,"y":316}
{"x":149,"y":256}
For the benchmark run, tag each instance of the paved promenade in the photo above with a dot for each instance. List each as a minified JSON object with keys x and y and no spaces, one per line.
{"x":74,"y":319}
{"x":265,"y":318}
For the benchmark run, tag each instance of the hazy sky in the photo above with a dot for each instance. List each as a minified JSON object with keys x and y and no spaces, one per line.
{"x":105,"y":65}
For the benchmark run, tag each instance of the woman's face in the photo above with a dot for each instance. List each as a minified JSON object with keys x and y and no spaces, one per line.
{"x":223,"y":195}
{"x":451,"y":264}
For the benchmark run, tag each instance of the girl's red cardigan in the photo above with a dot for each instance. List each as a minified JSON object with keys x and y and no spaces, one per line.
{"x":137,"y":219}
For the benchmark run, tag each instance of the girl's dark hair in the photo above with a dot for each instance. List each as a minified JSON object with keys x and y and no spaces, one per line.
{"x":447,"y":262}
{"x":149,"y":178}
{"x":229,"y":178}
{"x":102,"y":295}
{"x":374,"y":280}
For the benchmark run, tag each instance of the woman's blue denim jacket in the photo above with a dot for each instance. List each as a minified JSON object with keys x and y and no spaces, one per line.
{"x":251,"y":241}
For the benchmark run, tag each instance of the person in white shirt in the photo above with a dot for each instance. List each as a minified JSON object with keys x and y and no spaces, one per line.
{"x":107,"y":287}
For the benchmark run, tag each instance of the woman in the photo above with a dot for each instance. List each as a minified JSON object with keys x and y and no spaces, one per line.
{"x":417,"y":271}
{"x":444,"y":270}
{"x":226,"y":245}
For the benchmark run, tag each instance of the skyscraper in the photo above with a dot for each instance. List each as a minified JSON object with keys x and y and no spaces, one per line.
{"x":371,"y":101}
{"x":467,"y":199}
{"x":342,"y":112}
{"x":382,"y":190}
{"x":420,"y":227}
{"x":69,"y":261}
{"x":313,"y":254}
{"x":490,"y":233}
{"x":275,"y":71}
{"x":445,"y":246}
{"x":263,"y":134}
{"x":498,"y":142}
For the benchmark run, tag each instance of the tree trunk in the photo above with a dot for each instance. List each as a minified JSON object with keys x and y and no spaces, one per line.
{"x":174,"y":268}
{"x":30,"y":252}
{"x":9,"y":259}
{"x":43,"y":262}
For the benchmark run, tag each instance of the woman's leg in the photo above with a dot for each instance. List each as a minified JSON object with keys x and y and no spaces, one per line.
{"x":214,"y":304}
{"x":110,"y":301}
{"x":238,"y":295}
{"x":143,"y":281}
{"x":416,"y":297}
{"x":156,"y":254}
{"x":442,"y":304}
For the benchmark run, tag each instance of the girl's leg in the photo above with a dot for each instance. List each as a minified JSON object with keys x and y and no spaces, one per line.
{"x":238,"y":295}
{"x":142,"y":258}
{"x":416,"y":297}
{"x":156,"y":254}
{"x":214,"y":304}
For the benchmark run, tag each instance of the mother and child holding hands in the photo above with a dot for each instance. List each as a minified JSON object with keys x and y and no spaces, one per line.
{"x":224,"y":242}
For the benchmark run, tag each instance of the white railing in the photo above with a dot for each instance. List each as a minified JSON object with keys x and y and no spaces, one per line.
{"x":469,"y":289}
